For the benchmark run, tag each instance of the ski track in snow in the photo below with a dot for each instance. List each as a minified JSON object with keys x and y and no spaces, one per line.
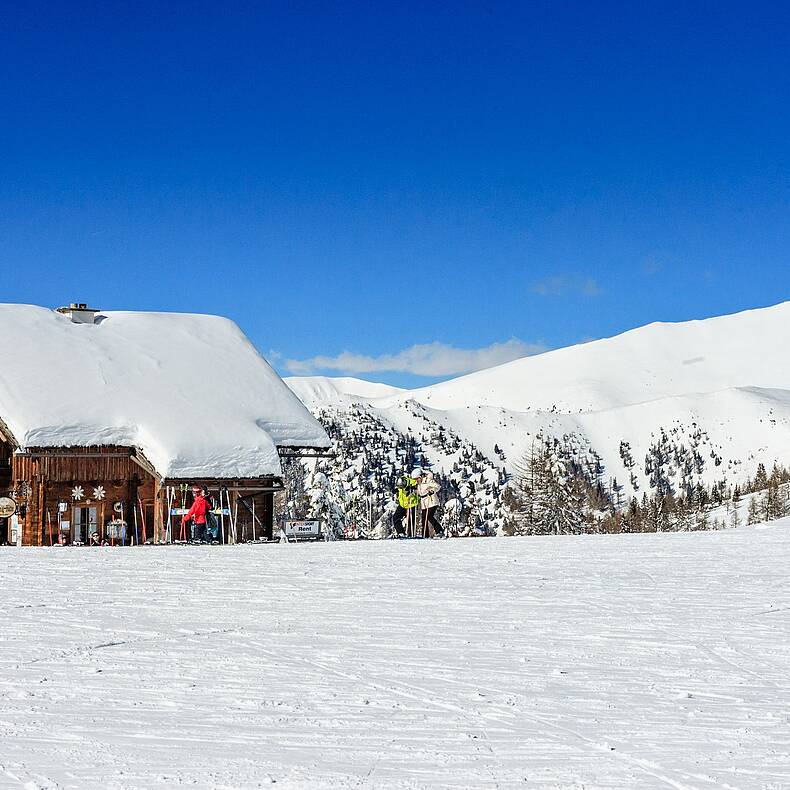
{"x":597,"y":662}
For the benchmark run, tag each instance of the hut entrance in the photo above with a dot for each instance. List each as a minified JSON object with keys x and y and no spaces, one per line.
{"x":84,"y":522}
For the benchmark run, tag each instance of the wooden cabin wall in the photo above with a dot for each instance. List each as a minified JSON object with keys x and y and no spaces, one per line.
{"x":5,"y":485}
{"x":261,"y":527}
{"x":52,"y":474}
{"x":6,"y":453}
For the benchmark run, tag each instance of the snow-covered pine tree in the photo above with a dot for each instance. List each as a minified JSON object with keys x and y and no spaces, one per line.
{"x":752,"y":515}
{"x":297,"y":502}
{"x":526,"y":489}
{"x":560,"y":508}
{"x":326,"y":504}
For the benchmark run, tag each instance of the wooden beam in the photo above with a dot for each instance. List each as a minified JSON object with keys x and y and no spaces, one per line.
{"x":7,"y":436}
{"x":141,"y":461}
{"x":46,"y":454}
{"x":308,"y":455}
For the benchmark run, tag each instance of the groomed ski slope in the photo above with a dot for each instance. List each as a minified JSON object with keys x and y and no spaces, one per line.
{"x":634,"y":661}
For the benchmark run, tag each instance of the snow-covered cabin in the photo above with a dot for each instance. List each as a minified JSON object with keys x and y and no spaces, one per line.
{"x":110,"y":416}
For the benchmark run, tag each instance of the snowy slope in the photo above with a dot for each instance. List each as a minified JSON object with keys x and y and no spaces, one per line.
{"x":655,"y":361}
{"x":743,"y":427}
{"x":190,"y":391}
{"x":544,"y":664}
{"x":315,"y":391}
{"x":719,"y":387}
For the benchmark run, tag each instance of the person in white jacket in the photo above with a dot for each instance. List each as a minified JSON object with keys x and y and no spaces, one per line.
{"x":428,"y":491}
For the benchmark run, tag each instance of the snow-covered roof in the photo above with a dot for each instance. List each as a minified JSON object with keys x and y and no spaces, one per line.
{"x":190,"y":391}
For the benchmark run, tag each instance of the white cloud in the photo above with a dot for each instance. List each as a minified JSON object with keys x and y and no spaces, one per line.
{"x":425,"y":359}
{"x":564,"y":284}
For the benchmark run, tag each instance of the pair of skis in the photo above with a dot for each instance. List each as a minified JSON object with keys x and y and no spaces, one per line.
{"x":142,"y":520}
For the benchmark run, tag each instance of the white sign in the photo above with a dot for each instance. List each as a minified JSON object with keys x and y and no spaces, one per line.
{"x":302,"y":529}
{"x":7,"y":507}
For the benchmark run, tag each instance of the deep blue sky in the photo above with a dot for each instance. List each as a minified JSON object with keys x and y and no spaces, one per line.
{"x":364,"y":177}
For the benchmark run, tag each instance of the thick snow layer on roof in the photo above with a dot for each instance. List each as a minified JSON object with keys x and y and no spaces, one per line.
{"x":190,"y":391}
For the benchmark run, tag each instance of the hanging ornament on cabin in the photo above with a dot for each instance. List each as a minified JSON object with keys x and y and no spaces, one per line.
{"x":77,"y":493}
{"x":99,"y":492}
{"x":118,"y":507}
{"x":22,"y":491}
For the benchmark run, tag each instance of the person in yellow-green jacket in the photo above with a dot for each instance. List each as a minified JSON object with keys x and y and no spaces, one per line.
{"x":408,"y":500}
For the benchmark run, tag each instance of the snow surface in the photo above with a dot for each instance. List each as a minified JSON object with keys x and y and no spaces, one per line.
{"x":723,"y":376}
{"x":190,"y":391}
{"x":316,"y":390}
{"x":660,"y":360}
{"x":597,"y":662}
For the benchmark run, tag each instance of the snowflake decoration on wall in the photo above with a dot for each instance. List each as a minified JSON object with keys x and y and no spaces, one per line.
{"x":77,"y":493}
{"x":99,"y":492}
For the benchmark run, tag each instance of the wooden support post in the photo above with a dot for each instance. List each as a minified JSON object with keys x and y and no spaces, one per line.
{"x":42,"y":504}
{"x":268,"y":515}
{"x":235,"y":516}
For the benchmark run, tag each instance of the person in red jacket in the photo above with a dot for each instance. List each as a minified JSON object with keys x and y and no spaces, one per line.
{"x":198,"y":514}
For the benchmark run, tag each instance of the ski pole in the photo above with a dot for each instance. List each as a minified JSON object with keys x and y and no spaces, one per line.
{"x":222,"y":517}
{"x":182,"y":535}
{"x":170,"y":514}
{"x":232,"y":521}
{"x":171,"y":497}
{"x":231,"y":525}
{"x":49,"y":521}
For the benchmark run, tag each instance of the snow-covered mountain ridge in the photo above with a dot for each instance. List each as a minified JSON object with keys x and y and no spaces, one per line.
{"x":315,"y":391}
{"x":705,"y":400}
{"x":656,"y":361}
